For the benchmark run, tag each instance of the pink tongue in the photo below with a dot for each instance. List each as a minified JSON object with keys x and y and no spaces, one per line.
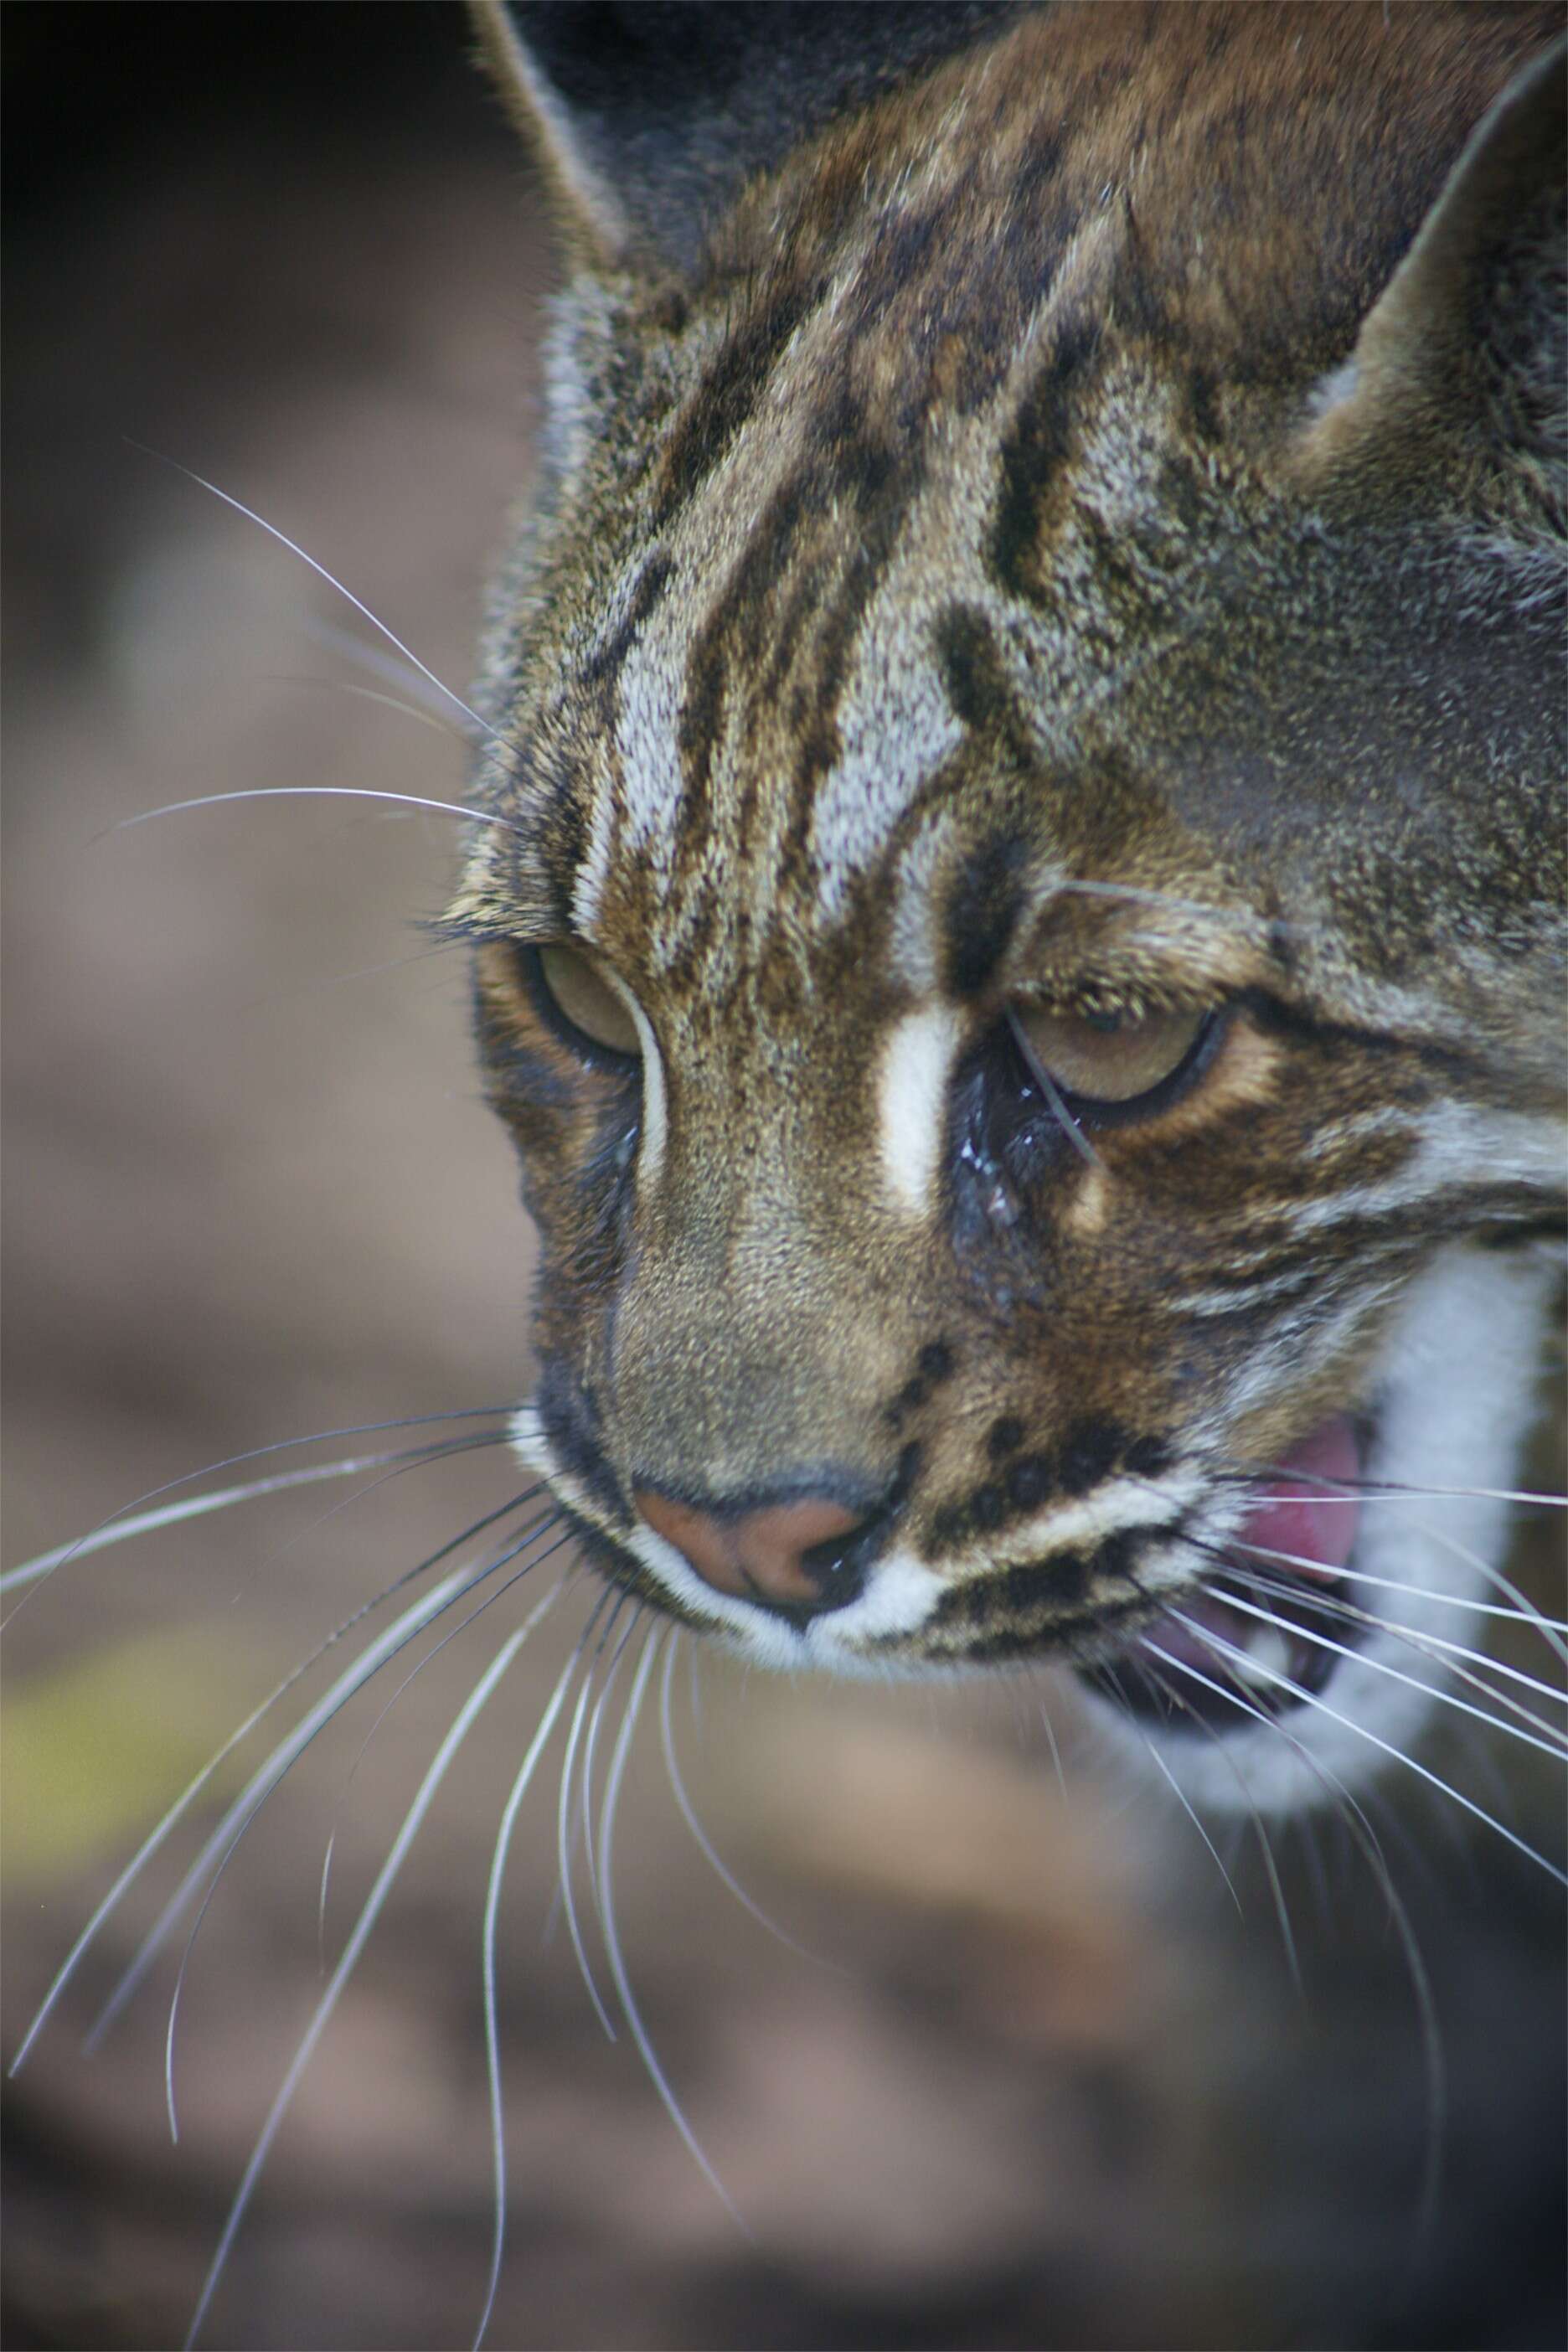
{"x":1299,"y":1515}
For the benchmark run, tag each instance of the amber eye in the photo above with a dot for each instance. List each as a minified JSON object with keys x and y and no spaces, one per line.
{"x":585,"y":1000}
{"x":1111,"y":1058}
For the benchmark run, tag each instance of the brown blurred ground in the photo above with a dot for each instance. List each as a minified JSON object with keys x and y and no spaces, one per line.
{"x":1033,"y":2097}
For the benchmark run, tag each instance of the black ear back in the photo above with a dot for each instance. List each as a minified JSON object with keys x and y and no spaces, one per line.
{"x":649,"y":115}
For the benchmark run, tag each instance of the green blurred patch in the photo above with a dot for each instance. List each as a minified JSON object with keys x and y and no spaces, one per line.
{"x":93,"y":1752}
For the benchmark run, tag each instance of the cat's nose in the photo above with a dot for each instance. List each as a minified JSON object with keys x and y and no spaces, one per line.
{"x":801,"y":1557}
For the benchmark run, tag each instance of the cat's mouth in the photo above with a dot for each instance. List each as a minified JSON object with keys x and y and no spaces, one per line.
{"x":1269,"y":1625}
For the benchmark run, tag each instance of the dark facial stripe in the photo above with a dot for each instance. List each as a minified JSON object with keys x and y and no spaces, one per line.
{"x":605,"y":666}
{"x":982,"y":909}
{"x":1034,"y":451}
{"x":726,"y":399}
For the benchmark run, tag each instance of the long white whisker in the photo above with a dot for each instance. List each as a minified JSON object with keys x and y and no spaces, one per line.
{"x":517,"y":1546}
{"x":1053,"y":1743}
{"x":1347,"y":1804}
{"x":1523,"y":1612}
{"x":1242,"y":917}
{"x":536,"y":1748}
{"x":321,"y":573}
{"x":316,"y":792}
{"x":1216,"y":1644}
{"x":380,"y":664}
{"x":1365,"y":1836}
{"x":1490,"y":1574}
{"x":540,"y":1526}
{"x":365,"y":1664}
{"x":1447,"y":1657}
{"x":193,"y":1933}
{"x":413,"y":1457}
{"x":1458,"y":1658}
{"x":133,"y":1519}
{"x":563,"y":1832}
{"x":387,"y":701}
{"x":1322,"y":1489}
{"x":1186,"y":1804}
{"x":397,"y":1636}
{"x":307,"y":988}
{"x":612,"y":1937}
{"x":1230,"y":1559}
{"x":193,"y":1507}
{"x":1514,"y":1615}
{"x":589,"y":1746}
{"x":689,"y":1814}
{"x":1520,"y":1609}
{"x":1549,"y":1745}
{"x":375,"y":1903}
{"x":1270,"y":1867}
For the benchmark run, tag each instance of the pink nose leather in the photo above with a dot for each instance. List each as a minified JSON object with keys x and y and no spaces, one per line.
{"x":756,"y":1556}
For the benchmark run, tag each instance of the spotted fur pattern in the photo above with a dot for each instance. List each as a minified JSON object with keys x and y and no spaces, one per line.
{"x":1084,"y":529}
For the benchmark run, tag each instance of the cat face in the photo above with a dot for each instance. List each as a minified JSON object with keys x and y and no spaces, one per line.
{"x":1017,"y":953}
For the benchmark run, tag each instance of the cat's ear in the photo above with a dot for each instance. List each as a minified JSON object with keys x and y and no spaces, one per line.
{"x":590,"y":214}
{"x":648,"y":116}
{"x":1465,"y":346}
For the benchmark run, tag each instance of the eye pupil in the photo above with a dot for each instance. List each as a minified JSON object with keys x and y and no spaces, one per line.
{"x":587,"y":1001}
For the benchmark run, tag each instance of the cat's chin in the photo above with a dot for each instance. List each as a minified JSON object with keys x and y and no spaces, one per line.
{"x":1282,"y":1722}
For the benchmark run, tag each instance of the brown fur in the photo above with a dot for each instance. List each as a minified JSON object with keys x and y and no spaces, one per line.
{"x":1074,"y":535}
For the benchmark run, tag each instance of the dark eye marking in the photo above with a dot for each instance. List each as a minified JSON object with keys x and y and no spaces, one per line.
{"x":982,"y":909}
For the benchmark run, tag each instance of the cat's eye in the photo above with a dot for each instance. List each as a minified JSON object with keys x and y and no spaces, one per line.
{"x":585,"y":1003}
{"x":1109,"y":1059}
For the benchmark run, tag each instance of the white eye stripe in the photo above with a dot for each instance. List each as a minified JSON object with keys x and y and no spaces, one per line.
{"x":655,"y":1123}
{"x":588,"y":889}
{"x":912,"y":1102}
{"x":648,"y":715}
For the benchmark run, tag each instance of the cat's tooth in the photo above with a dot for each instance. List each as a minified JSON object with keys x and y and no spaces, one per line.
{"x":1267,"y":1658}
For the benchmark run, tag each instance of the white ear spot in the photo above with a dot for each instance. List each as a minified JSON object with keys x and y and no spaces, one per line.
{"x":1330,"y":390}
{"x":911,"y":1103}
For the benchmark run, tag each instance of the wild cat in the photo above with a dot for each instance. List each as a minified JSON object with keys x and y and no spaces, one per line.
{"x":1017,"y":876}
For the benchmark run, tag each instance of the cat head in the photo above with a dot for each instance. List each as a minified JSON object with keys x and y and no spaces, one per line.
{"x":1023,"y":954}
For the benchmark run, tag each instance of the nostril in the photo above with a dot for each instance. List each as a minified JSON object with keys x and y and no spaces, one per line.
{"x":843,"y":1556}
{"x":805,"y":1556}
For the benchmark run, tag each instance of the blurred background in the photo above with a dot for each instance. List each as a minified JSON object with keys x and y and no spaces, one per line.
{"x":1035,"y":2080}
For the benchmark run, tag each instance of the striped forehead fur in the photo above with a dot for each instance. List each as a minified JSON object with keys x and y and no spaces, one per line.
{"x":700,"y":703}
{"x":815,"y":454}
